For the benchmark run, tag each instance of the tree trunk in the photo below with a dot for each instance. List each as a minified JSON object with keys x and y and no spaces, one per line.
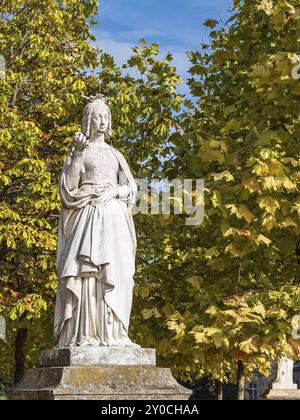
{"x":240,"y":383}
{"x":19,"y":354}
{"x":219,"y":390}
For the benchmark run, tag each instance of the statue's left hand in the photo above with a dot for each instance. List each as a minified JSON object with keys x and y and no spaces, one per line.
{"x":106,"y":195}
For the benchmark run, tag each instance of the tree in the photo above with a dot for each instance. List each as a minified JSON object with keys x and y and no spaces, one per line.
{"x":240,"y":133}
{"x":47,"y":73}
{"x":45,"y":45}
{"x":217,"y":299}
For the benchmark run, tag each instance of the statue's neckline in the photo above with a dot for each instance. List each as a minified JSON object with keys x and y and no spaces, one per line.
{"x":104,"y":146}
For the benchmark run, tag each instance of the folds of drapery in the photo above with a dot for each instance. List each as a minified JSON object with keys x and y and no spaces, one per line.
{"x":92,"y":240}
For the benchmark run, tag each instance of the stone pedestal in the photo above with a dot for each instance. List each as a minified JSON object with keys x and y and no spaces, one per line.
{"x":98,"y":356}
{"x":284,"y":388}
{"x":99,"y":373}
{"x":283,"y":394}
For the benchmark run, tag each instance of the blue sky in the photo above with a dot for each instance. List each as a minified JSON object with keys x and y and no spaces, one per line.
{"x":175,"y":24}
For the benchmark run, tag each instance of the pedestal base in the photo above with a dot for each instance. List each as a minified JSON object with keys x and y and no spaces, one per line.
{"x":98,"y":356}
{"x":99,"y":383}
{"x":283,"y":394}
{"x":98,"y":374}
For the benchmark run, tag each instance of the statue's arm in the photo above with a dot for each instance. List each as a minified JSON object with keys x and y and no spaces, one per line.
{"x":123,"y":191}
{"x":73,"y":172}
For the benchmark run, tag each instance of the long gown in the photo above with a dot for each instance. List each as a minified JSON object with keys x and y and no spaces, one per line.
{"x":96,"y":254}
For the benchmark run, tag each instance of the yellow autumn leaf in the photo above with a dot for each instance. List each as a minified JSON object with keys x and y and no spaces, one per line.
{"x":263,"y":239}
{"x":288,"y":222}
{"x":223,"y":175}
{"x":269,"y":204}
{"x":241,"y":211}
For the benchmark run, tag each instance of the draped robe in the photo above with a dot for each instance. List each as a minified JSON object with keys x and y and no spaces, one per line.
{"x":95,"y":264}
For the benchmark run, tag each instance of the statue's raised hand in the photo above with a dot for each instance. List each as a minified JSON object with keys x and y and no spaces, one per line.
{"x":80,"y":142}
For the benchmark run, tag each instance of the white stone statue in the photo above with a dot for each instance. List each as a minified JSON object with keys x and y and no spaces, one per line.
{"x":96,"y":238}
{"x":284,"y":379}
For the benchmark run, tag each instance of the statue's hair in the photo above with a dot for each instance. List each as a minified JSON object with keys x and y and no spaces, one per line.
{"x":96,"y":102}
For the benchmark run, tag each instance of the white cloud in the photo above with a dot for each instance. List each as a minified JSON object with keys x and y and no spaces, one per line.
{"x":153,"y":18}
{"x":119,"y":50}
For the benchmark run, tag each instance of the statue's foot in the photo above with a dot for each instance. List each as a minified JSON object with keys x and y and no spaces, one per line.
{"x":89,"y":342}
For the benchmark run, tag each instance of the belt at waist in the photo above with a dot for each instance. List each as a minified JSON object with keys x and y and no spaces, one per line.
{"x":94,"y":185}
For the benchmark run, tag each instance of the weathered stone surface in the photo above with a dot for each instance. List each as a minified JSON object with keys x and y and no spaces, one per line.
{"x":99,"y":383}
{"x":102,"y":373}
{"x":283,"y":394}
{"x":98,"y":356}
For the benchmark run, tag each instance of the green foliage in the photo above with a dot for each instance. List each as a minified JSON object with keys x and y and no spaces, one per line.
{"x":143,"y":106}
{"x":205,"y":296}
{"x":39,"y":338}
{"x":234,"y":280}
{"x":46,"y":48}
{"x":49,"y":63}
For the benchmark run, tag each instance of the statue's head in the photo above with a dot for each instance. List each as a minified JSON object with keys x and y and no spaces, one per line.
{"x":96,"y":117}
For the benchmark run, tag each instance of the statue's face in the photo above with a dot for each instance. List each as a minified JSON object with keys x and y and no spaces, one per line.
{"x":99,"y":121}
